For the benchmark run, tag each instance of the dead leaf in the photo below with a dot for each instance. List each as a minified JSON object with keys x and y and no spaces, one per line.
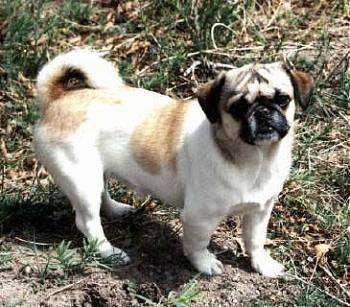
{"x":108,"y":26}
{"x":321,"y":250}
{"x":21,"y":78}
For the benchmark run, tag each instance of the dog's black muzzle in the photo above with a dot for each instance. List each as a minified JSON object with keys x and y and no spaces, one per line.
{"x":264,"y":123}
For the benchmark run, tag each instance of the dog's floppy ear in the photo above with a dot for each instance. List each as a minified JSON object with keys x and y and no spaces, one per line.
{"x":303,"y":85}
{"x":209,"y":95}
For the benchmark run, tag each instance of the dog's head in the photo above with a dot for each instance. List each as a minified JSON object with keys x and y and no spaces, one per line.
{"x":255,"y":102}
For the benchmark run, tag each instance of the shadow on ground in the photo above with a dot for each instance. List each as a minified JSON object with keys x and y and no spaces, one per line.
{"x":158,"y":266}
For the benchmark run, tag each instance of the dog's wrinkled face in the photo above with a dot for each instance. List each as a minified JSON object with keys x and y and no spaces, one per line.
{"x":255,"y":102}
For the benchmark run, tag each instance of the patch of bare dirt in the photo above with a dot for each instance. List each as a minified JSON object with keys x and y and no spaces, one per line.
{"x":158,"y":269}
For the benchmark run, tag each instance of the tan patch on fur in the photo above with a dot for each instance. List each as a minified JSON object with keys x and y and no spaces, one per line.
{"x":65,"y":115}
{"x":155,"y":142}
{"x":56,"y":91}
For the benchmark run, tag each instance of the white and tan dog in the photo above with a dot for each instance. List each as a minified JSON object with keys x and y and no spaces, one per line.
{"x":233,"y":158}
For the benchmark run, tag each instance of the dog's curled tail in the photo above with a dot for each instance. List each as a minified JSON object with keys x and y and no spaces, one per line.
{"x":76,"y":69}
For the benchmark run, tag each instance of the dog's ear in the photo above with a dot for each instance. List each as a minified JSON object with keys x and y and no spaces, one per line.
{"x":209,"y":95}
{"x":303,"y":85}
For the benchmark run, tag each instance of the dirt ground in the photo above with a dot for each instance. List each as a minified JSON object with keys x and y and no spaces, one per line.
{"x":158,"y":272}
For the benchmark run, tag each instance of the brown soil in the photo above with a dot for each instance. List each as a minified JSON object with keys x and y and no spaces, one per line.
{"x":159,"y":271}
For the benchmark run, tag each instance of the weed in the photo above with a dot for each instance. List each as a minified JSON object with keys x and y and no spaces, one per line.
{"x":187,"y":295}
{"x":342,"y":253}
{"x":45,"y":270}
{"x":90,"y":251}
{"x":75,"y":11}
{"x":5,"y":256}
{"x":313,"y":298}
{"x":66,"y":257}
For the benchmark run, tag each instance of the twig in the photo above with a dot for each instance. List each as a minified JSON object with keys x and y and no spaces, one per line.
{"x":309,"y":159}
{"x":336,"y":66}
{"x":64,"y":288}
{"x":101,"y":265}
{"x":82,"y":27}
{"x":192,"y":68}
{"x":323,"y":291}
{"x":32,"y":242}
{"x":335,"y":280}
{"x":129,"y":40}
{"x":221,"y":65}
{"x":342,"y":144}
{"x":312,"y":274}
{"x":273,"y":18}
{"x":212,"y":32}
{"x":146,"y":202}
{"x":298,"y":240}
{"x":170,"y":89}
{"x":2,"y":177}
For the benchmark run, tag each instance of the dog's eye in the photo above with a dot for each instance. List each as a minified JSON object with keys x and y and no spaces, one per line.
{"x":282,"y":100}
{"x":239,"y":108}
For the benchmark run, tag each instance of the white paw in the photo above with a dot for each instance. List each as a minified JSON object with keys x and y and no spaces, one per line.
{"x":263,"y":263}
{"x":114,"y":255}
{"x":206,"y":263}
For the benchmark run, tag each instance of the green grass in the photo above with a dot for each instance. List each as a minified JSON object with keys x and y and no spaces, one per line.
{"x":186,"y":296}
{"x":66,"y":257}
{"x":5,"y":256}
{"x":154,"y":43}
{"x":314,"y":297}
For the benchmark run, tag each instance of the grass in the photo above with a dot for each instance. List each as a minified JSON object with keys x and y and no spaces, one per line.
{"x":183,"y":298}
{"x":154,"y":43}
{"x":5,"y":256}
{"x":65,"y":257}
{"x":188,"y":294}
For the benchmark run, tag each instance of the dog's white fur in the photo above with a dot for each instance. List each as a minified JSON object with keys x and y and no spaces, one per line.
{"x":206,"y":185}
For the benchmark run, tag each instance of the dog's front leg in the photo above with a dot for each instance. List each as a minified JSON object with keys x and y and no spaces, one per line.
{"x":254,"y":235}
{"x":198,"y":228}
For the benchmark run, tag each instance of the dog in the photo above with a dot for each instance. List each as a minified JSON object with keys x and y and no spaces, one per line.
{"x":226,"y":152}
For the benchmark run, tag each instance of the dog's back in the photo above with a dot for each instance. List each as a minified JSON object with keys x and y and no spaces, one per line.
{"x":90,"y":117}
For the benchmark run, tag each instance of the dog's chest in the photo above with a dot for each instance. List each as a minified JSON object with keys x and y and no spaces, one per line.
{"x":266,"y":183}
{"x":259,"y":182}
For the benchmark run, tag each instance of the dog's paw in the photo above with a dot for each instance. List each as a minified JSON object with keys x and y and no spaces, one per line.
{"x":118,"y":258}
{"x":266,"y":265}
{"x":113,"y":255}
{"x":206,"y":263}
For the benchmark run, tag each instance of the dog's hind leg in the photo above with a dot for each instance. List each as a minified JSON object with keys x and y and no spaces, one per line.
{"x":82,"y":181}
{"x":113,"y":208}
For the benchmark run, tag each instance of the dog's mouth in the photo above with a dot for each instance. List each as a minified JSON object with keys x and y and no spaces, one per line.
{"x":264,"y":124}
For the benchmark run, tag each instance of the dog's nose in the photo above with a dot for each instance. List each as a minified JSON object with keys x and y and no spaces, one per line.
{"x":264,"y":110}
{"x":266,"y":128}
